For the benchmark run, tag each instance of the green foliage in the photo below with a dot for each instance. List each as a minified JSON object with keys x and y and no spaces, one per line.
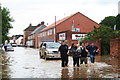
{"x":0,"y":26}
{"x":102,"y":32}
{"x":6,"y":23}
{"x":109,"y":21}
{"x":118,"y":22}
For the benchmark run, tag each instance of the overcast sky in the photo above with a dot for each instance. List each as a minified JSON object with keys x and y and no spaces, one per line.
{"x":34,"y":11}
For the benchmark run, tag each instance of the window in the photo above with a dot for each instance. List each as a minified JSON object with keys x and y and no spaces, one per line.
{"x":42,"y":34}
{"x":76,"y":29}
{"x":49,"y":32}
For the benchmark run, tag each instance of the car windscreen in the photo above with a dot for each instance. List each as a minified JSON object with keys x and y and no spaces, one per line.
{"x":9,"y":46}
{"x":53,"y":45}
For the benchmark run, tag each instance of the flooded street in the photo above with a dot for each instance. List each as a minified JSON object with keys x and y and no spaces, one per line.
{"x":26,"y":63}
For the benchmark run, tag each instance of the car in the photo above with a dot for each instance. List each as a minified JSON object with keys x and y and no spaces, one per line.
{"x":14,"y":44}
{"x":49,"y":50}
{"x":10,"y":48}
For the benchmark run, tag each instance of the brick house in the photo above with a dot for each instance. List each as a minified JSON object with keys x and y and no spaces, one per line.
{"x":27,"y":31}
{"x":70,"y":28}
{"x":33,"y":35}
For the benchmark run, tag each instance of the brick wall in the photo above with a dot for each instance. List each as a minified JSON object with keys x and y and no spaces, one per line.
{"x":115,"y":47}
{"x":68,"y":37}
{"x":36,"y":41}
{"x":80,"y":21}
{"x":45,"y":37}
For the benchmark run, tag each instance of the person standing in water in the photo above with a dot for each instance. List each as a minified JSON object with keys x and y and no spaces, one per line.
{"x":63,"y":51}
{"x":75,"y":55}
{"x":92,"y":49}
{"x":83,"y":54}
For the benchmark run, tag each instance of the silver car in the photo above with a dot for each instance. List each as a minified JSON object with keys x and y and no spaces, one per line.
{"x":10,"y":48}
{"x":49,"y":50}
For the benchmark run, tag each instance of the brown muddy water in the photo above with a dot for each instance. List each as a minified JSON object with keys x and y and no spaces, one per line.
{"x":26,"y":63}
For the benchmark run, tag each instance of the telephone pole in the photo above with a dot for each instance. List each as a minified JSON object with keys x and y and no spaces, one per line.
{"x":55,"y":31}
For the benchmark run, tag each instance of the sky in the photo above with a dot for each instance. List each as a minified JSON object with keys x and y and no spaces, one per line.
{"x":25,"y":12}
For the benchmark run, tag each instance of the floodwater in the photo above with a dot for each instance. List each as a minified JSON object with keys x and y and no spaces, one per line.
{"x":26,"y":63}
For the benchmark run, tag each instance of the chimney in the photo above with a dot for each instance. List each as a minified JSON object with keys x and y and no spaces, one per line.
{"x":42,"y":23}
{"x":30,"y":24}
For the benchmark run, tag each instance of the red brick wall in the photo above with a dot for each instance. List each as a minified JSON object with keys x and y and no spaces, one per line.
{"x":69,"y":37}
{"x":46,"y":37}
{"x":115,"y":47}
{"x":97,"y":43}
{"x":36,"y":41}
{"x":80,"y":21}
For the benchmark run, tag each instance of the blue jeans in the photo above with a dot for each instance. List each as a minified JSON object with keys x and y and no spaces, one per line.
{"x":92,"y":58}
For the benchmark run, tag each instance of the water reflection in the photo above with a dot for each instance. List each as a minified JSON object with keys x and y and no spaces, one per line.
{"x":65,"y":73}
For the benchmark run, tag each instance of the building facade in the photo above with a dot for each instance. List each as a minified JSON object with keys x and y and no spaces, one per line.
{"x":27,"y":32}
{"x":70,"y":29}
{"x":33,"y":38}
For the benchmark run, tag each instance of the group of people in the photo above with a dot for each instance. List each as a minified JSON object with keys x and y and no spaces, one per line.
{"x":79,"y":53}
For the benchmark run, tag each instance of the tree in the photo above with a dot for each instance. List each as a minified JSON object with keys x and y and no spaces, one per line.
{"x":109,"y":21}
{"x":0,"y":25}
{"x":118,"y":22}
{"x":103,"y":32}
{"x":6,"y":23}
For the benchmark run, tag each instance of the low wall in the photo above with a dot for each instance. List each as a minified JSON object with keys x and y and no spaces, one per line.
{"x":115,"y":47}
{"x":97,"y":43}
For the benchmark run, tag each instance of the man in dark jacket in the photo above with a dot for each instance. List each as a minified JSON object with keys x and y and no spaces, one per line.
{"x":63,"y":51}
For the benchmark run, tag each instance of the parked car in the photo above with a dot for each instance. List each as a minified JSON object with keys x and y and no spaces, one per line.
{"x":49,"y":50}
{"x":10,"y":48}
{"x":13,"y":44}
